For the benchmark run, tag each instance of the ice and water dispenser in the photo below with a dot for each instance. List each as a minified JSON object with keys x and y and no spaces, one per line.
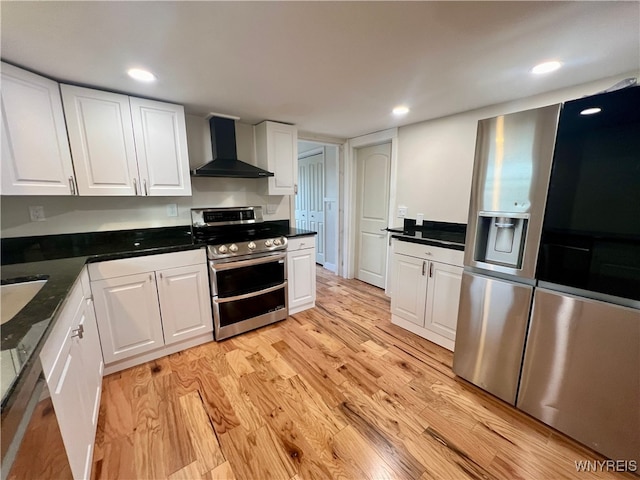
{"x":500,"y":238}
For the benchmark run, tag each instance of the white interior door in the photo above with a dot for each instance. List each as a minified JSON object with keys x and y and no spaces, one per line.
{"x":373,"y":170}
{"x":310,"y":200}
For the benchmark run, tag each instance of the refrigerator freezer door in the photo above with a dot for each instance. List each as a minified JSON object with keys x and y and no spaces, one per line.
{"x":492,"y":324}
{"x":510,"y":180}
{"x":581,"y":373}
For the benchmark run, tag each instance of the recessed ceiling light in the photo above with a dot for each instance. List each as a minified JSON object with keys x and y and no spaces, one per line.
{"x":141,"y":75}
{"x":400,"y":110}
{"x":546,"y":67}
{"x":590,"y":111}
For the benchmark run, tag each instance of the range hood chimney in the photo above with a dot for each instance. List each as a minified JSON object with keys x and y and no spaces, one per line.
{"x":225,"y":161}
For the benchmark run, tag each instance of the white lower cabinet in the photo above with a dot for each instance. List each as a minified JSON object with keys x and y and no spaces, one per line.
{"x":301,"y":273}
{"x":129,"y":315}
{"x":184,"y":302}
{"x":72,"y":366}
{"x":425,"y":291}
{"x":151,"y":306}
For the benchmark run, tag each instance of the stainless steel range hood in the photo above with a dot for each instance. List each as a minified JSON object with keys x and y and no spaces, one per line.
{"x":225,"y":161}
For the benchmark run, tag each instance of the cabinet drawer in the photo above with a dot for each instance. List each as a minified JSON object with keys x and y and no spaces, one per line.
{"x":427,"y":252}
{"x":301,"y":243}
{"x":148,"y":263}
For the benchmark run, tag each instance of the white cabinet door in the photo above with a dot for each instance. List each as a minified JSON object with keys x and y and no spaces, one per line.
{"x":101,"y":139}
{"x":93,"y":362}
{"x":184,"y":302}
{"x":160,"y":136}
{"x":35,"y":151}
{"x":128,"y":315}
{"x":409,"y":288}
{"x":442,"y":299}
{"x":301,"y":276}
{"x":277,"y":152}
{"x":75,"y":380}
{"x":68,"y":395}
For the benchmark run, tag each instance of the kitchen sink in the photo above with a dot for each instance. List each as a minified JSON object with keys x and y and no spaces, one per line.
{"x":15,"y":296}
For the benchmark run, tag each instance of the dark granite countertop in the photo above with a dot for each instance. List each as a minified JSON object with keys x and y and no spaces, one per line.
{"x":436,"y":234}
{"x":59,"y":259}
{"x":298,"y":232}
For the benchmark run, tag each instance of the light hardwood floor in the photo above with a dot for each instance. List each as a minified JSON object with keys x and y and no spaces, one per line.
{"x":333,"y":392}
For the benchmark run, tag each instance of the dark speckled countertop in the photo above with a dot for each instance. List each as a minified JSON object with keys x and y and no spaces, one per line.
{"x":436,"y":234}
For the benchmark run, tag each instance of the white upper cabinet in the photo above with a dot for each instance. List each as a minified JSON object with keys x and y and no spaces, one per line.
{"x":35,"y":150}
{"x":277,"y":152}
{"x":124,"y":145}
{"x":160,"y":135}
{"x":101,"y":138}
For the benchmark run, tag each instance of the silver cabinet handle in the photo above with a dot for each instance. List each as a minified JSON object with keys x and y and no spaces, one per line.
{"x":144,"y":184}
{"x":135,"y":186}
{"x":428,"y":253}
{"x":424,"y":267}
{"x":160,"y":275}
{"x":72,"y":185}
{"x":78,"y":332}
{"x":430,"y":270}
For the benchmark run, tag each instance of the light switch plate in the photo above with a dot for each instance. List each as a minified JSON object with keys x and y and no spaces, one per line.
{"x":419,"y":219}
{"x":402,"y":212}
{"x":36,"y":213}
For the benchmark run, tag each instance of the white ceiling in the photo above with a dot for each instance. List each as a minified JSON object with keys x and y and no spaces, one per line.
{"x":332,"y":68}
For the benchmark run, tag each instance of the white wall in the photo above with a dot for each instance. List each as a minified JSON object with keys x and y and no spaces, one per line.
{"x":87,"y":214}
{"x":435,"y":158}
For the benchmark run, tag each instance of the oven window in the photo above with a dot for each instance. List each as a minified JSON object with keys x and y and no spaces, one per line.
{"x":238,"y":281}
{"x":239,"y":310}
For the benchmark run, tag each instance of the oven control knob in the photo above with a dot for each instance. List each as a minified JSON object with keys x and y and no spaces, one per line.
{"x":277,"y":242}
{"x":222,"y":249}
{"x":251,"y":246}
{"x":233,"y":248}
{"x":268,"y":243}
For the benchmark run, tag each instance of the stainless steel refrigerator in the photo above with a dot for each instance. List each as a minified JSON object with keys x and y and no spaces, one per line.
{"x":510,"y":179}
{"x":549,"y":314}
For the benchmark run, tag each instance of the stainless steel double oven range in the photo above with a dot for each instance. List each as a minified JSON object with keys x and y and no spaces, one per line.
{"x":247,"y":267}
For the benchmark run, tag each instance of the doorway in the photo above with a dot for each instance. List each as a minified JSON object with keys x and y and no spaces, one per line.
{"x":373,"y":169}
{"x":316,"y":203}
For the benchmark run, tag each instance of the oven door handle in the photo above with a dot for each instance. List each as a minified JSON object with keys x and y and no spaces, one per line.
{"x":248,"y":263}
{"x":251,"y":294}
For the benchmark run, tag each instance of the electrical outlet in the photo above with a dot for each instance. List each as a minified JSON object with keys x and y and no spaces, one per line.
{"x":419,"y":219}
{"x":172,"y":210}
{"x":402,"y":212}
{"x":36,"y":213}
{"x":271,"y":209}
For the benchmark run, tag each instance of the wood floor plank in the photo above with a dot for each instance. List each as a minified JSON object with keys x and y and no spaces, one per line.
{"x":256,"y":455}
{"x":178,"y":448}
{"x":319,"y":383}
{"x":357,"y":452}
{"x":221,"y":472}
{"x":117,"y":461}
{"x":332,"y":392}
{"x":189,"y":472}
{"x":246,"y":411}
{"x":203,"y":438}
